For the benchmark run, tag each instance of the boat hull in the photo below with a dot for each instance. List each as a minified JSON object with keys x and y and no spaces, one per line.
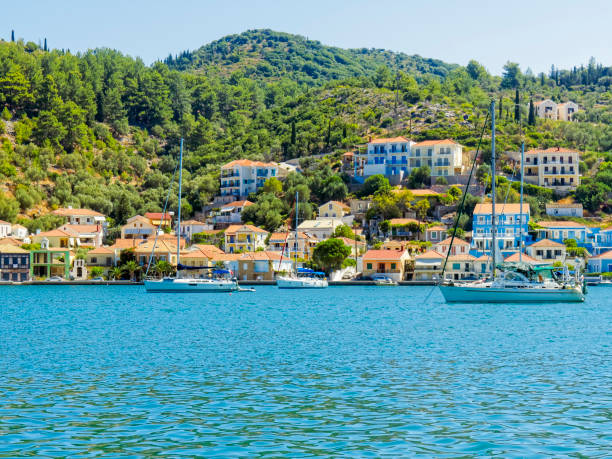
{"x":190,"y":286}
{"x":467,"y":294}
{"x":285,"y":282}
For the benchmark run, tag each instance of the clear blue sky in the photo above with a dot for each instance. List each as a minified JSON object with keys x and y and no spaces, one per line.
{"x":534,"y":33}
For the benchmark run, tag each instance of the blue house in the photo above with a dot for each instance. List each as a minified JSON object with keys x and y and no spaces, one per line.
{"x":509,"y":223}
{"x":601,"y":263}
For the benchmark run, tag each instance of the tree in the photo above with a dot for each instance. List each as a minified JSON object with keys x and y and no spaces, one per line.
{"x":328,"y":255}
{"x":12,"y":35}
{"x":45,"y":47}
{"x":517,"y":107}
{"x":267,"y":212}
{"x":421,"y":208}
{"x":115,"y":273}
{"x":9,"y":208}
{"x":163,"y":268}
{"x":419,"y":177}
{"x":273,"y":185}
{"x":501,"y":107}
{"x":385,"y":227}
{"x":374,"y":184}
{"x":441,"y":181}
{"x":344,"y":231}
{"x":511,"y":76}
{"x":476,"y":71}
{"x":531,"y":119}
{"x":131,"y":268}
{"x":96,"y":271}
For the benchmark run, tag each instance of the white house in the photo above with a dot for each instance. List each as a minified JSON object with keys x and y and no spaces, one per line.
{"x":85,"y":235}
{"x":241,"y":177}
{"x":320,"y":229}
{"x":546,"y":109}
{"x":19,"y":232}
{"x":231,"y":213}
{"x":191,"y":227}
{"x":564,"y":210}
{"x":555,"y":168}
{"x":138,"y":227}
{"x":444,"y":157}
{"x":82,"y":216}
{"x":5,"y":229}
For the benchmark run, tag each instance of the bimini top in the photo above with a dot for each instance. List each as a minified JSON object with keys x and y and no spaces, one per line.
{"x":221,"y":271}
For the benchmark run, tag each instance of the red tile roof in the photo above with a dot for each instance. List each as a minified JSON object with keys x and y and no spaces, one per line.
{"x":243,"y":203}
{"x":457,"y":241}
{"x":430,"y":143}
{"x":158,"y":216}
{"x":66,"y":212}
{"x":390,"y":140}
{"x":247,"y":162}
{"x":546,"y":243}
{"x":232,"y":229}
{"x":373,"y":254}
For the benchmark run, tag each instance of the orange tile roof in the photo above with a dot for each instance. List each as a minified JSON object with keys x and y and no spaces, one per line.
{"x":390,"y":140}
{"x":66,"y":212}
{"x":430,"y":143}
{"x":351,"y":242}
{"x":606,"y":255}
{"x":54,"y":233}
{"x":247,"y":162}
{"x":437,"y":228}
{"x":10,"y":241}
{"x":462,"y":257}
{"x":101,"y":250}
{"x":525,"y":258}
{"x":279,"y":236}
{"x":430,"y":254}
{"x":10,"y":248}
{"x":232,"y":229}
{"x":2,"y":222}
{"x":546,"y":243}
{"x":80,"y":229}
{"x":501,"y":209}
{"x":374,"y":254}
{"x":126,"y":243}
{"x":551,"y":150}
{"x":158,"y":216}
{"x":243,"y":203}
{"x":402,"y":221}
{"x":457,"y":241}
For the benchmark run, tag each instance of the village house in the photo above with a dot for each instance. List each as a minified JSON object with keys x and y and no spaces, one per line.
{"x":50,"y":261}
{"x":138,"y":227}
{"x":320,"y":229}
{"x":200,"y":255}
{"x":333,"y":209}
{"x":387,"y":156}
{"x":359,"y":207}
{"x":547,"y":250}
{"x":546,"y":109}
{"x":443,"y":157}
{"x":84,"y":235}
{"x":428,"y":266}
{"x":14,"y":264}
{"x":285,"y":243}
{"x":244,"y":238}
{"x":391,"y":263}
{"x":405,"y":229}
{"x":510,"y":225}
{"x":559,"y":231}
{"x":5,"y":229}
{"x":259,"y":266}
{"x":564,"y":210}
{"x":160,"y":218}
{"x":19,"y":232}
{"x":435,"y":234}
{"x":516,"y":257}
{"x":566,"y":110}
{"x":242,"y":177}
{"x":460,"y":247}
{"x":601,"y":263}
{"x":460,"y":266}
{"x":56,"y":238}
{"x":160,"y":250}
{"x":191,"y":227}
{"x":554,"y":168}
{"x":103,"y":257}
{"x":82,"y":216}
{"x":230,"y":213}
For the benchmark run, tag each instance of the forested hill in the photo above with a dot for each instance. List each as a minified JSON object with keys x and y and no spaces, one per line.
{"x":100,"y":129}
{"x":269,"y":54}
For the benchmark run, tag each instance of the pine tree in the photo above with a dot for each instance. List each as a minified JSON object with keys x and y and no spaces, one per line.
{"x":45,"y":46}
{"x":12,"y":35}
{"x":517,"y":107}
{"x":531,"y":120}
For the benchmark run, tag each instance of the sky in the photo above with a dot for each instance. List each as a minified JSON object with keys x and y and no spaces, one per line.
{"x":534,"y":33}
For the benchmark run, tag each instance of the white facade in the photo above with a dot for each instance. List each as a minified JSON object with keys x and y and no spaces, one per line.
{"x":443,"y":157}
{"x":320,"y":229}
{"x":388,"y":156}
{"x":564,"y":210}
{"x":19,"y":232}
{"x":555,"y":168}
{"x":231,"y":213}
{"x":241,"y":177}
{"x":191,"y":227}
{"x":5,"y":229}
{"x":548,"y":109}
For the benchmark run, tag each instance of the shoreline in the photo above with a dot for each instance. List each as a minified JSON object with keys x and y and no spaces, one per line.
{"x":240,"y":283}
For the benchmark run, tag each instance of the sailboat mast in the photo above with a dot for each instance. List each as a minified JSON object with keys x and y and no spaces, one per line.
{"x":493,"y":226}
{"x":178,"y":226}
{"x":297,"y":194}
{"x":521,"y":207}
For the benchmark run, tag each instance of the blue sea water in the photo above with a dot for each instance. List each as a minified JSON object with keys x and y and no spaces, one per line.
{"x":347,"y":371}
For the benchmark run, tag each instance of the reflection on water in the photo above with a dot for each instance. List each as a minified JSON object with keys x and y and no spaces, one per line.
{"x":344,"y":371}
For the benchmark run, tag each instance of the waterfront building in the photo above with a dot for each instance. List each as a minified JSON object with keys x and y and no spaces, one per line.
{"x":260,"y":266}
{"x":138,"y":227}
{"x":82,"y":216}
{"x":391,"y":263}
{"x":50,"y":261}
{"x":320,"y":229}
{"x":244,"y":238}
{"x":460,"y":247}
{"x":508,"y":221}
{"x":162,"y":250}
{"x":515,"y":258}
{"x":102,"y":257}
{"x":554,"y":168}
{"x":428,"y":266}
{"x":14,"y":264}
{"x":461,"y":266}
{"x":5,"y":229}
{"x":285,"y":243}
{"x":56,"y":238}
{"x":601,"y":263}
{"x":564,"y":210}
{"x":230,"y":213}
{"x":241,"y":177}
{"x":547,"y":251}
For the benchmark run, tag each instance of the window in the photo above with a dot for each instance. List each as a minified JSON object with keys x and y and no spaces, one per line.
{"x":430,"y":151}
{"x":369,"y":266}
{"x":417,"y":152}
{"x":457,"y":266}
{"x":94,"y":260}
{"x":393,"y":265}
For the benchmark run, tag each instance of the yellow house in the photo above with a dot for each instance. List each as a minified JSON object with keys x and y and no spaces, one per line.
{"x":57,"y":238}
{"x":391,"y":263}
{"x":103,"y":257}
{"x":333,"y":209}
{"x":286,"y":244}
{"x":138,"y":227}
{"x":244,"y":238}
{"x":164,"y":250}
{"x":547,"y":250}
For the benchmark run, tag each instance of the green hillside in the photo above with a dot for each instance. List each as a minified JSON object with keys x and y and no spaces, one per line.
{"x":101,"y":130}
{"x":268,"y":54}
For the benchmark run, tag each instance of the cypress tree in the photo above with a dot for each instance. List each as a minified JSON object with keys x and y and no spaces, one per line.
{"x":531,"y":119}
{"x":517,"y":108}
{"x":293,"y":133}
{"x":45,"y":46}
{"x":501,"y":107}
{"x":12,"y":35}
{"x":328,"y":133}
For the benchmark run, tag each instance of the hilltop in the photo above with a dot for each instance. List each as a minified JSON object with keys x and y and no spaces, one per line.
{"x":266,"y":54}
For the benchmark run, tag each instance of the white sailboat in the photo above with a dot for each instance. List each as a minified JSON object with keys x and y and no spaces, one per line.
{"x":222,"y":281}
{"x":514,"y":282}
{"x":301,"y":277}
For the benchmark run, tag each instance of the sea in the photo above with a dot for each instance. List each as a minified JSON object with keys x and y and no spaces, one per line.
{"x":355,"y":371}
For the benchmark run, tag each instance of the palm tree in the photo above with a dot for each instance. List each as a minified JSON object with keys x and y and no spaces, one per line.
{"x":132,"y":268}
{"x":163,"y":268}
{"x":115,"y":273}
